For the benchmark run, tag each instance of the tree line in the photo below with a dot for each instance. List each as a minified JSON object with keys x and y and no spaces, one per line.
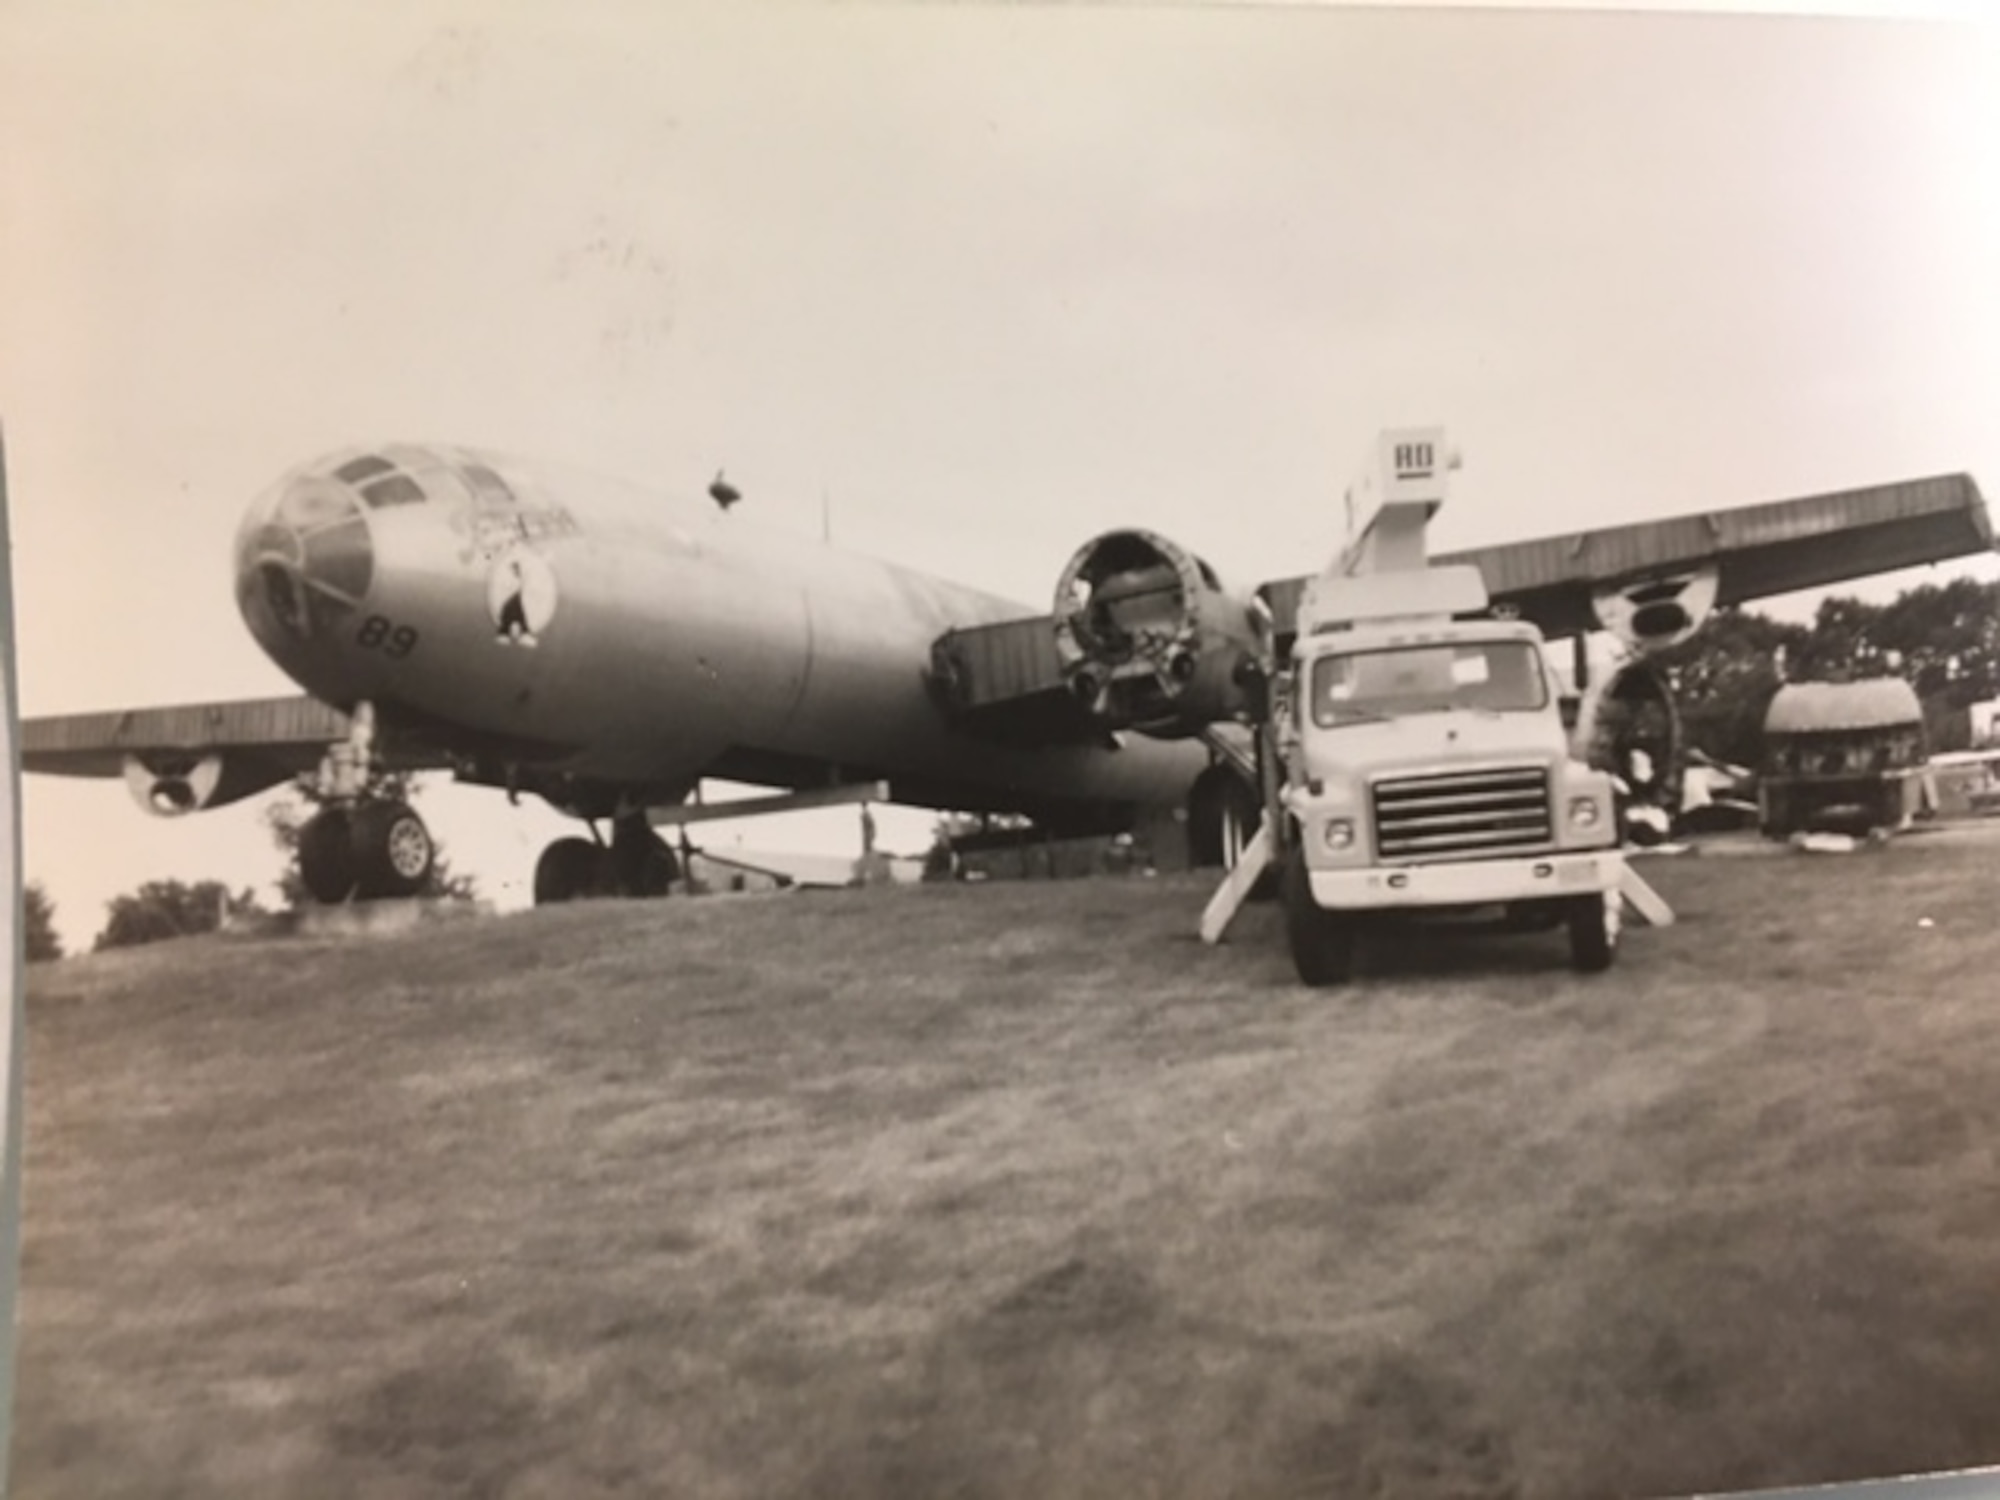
{"x":1943,"y":639}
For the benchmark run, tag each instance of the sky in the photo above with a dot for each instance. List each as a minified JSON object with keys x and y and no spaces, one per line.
{"x":973,"y":282}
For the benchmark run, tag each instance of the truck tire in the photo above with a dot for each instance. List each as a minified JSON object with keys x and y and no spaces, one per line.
{"x":1322,"y":941}
{"x":1593,"y":931}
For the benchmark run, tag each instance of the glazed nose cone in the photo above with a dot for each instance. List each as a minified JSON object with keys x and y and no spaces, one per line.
{"x":304,"y":557}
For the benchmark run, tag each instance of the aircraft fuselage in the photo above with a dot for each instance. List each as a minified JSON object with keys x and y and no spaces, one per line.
{"x":583,"y":627}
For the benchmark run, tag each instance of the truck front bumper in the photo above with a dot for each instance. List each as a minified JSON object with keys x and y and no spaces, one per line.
{"x":1470,"y":882}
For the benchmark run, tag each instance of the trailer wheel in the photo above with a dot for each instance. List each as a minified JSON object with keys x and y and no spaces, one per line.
{"x":1593,"y":931}
{"x":1322,"y":941}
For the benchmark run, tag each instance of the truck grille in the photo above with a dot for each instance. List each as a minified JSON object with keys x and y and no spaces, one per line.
{"x":1464,"y":813}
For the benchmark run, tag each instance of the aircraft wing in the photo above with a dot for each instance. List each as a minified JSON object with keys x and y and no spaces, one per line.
{"x":1005,"y":681}
{"x":213,"y":753}
{"x":289,"y":734}
{"x":1757,"y":550}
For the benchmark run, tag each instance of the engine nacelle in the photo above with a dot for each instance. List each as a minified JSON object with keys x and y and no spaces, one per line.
{"x":1149,"y":639}
{"x":170,"y":784}
{"x":1652,"y":614}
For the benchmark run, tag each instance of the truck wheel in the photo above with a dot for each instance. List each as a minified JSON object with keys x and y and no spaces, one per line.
{"x":1322,"y":941}
{"x":1593,"y":931}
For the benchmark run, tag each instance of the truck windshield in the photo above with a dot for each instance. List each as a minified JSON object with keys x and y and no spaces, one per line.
{"x":1494,"y":676}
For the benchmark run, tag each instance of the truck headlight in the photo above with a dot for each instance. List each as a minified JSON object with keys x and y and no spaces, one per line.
{"x":1584,"y":813}
{"x":1339,"y":834}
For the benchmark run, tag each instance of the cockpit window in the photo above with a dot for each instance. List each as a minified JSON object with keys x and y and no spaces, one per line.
{"x":357,"y":469}
{"x":489,"y":485}
{"x":311,"y":562}
{"x":397,"y":489}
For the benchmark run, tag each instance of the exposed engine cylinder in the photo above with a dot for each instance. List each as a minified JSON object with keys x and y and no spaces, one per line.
{"x":171,"y":785}
{"x":1149,"y":639}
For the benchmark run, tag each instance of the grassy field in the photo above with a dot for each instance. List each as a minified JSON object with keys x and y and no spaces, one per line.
{"x":1016,"y":1190}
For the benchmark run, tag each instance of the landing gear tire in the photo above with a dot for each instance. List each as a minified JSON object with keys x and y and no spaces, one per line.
{"x":326,"y":856}
{"x":1594,"y":922}
{"x":1223,"y":816}
{"x":1208,"y":820}
{"x":392,"y":851}
{"x":1322,"y":941}
{"x":571,"y":870}
{"x":637,"y":863}
{"x":1239,"y":820}
{"x":1242,"y":816}
{"x":641,"y":864}
{"x":365,"y":852}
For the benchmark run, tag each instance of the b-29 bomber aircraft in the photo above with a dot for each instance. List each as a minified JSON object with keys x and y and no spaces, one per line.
{"x":607,"y":649}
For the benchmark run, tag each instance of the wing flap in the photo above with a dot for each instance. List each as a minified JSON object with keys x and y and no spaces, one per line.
{"x":1003,"y":682}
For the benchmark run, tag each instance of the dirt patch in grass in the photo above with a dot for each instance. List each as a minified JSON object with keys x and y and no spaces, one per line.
{"x":1020,"y":1190}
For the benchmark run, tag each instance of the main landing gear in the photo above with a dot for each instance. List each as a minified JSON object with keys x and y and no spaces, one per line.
{"x":360,"y":847}
{"x":636,"y":863}
{"x":364,"y":852}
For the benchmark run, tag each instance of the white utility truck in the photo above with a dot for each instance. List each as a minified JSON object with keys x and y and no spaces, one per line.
{"x":1415,"y":759}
